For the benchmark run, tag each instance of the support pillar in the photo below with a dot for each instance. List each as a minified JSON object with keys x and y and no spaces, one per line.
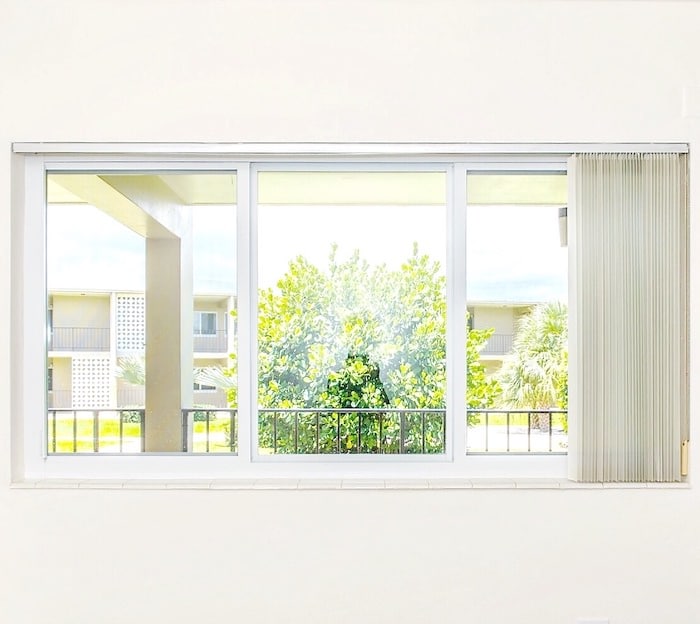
{"x":168,"y":359}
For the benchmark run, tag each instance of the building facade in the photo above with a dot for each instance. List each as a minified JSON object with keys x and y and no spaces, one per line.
{"x":92,"y":336}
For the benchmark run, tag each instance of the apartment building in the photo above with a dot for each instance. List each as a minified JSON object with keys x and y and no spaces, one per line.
{"x":91,"y":334}
{"x":503,"y":318}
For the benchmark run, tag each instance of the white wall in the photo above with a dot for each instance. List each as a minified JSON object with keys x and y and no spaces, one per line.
{"x":77,"y":311}
{"x":499,"y":318}
{"x":355,"y":70}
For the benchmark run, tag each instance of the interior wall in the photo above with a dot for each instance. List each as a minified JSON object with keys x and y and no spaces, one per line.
{"x":355,"y":70}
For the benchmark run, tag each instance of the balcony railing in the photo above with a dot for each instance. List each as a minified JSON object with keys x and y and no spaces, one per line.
{"x":498,"y":344}
{"x":315,"y":431}
{"x":348,"y":431}
{"x":79,"y":339}
{"x":131,"y":396}
{"x":517,"y":431}
{"x":96,"y":431}
{"x":59,"y":399}
{"x":211,"y":343}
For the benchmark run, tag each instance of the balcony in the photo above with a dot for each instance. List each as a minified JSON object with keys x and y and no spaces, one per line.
{"x":216,"y":342}
{"x":498,"y":344}
{"x":79,"y":339}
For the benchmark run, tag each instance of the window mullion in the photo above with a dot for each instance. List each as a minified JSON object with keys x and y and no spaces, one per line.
{"x":247,"y":301}
{"x":456,"y":311}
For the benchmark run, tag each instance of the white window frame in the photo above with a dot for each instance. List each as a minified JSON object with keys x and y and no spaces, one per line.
{"x":31,"y":162}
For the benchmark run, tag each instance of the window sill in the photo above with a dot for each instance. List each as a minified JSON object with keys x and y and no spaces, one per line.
{"x":336,"y":484}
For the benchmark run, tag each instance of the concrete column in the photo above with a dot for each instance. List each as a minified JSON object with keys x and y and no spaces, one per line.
{"x":168,"y":360}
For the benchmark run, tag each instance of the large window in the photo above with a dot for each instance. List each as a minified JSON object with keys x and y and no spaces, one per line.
{"x":517,"y":292}
{"x":139,"y":267}
{"x":351,"y":328}
{"x":342,"y":315}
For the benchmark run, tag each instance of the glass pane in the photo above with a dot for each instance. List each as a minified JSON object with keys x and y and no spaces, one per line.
{"x":517,"y":302}
{"x":131,"y":260}
{"x":351,"y":315}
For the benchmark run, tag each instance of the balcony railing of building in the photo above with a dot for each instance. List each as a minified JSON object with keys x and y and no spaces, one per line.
{"x":211,"y":343}
{"x":96,"y":430}
{"x":316,"y":431}
{"x":79,"y":339}
{"x":131,"y":396}
{"x":498,"y":344}
{"x":135,"y":396}
{"x":59,"y":399}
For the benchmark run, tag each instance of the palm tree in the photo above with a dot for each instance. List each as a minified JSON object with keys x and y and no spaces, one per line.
{"x":132,"y":369}
{"x":535,"y":375}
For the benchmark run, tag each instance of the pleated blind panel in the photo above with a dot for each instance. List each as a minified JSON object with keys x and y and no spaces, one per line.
{"x":628,"y":387}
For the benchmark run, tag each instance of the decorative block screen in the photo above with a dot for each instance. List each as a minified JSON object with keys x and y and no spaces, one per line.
{"x":131,"y":323}
{"x":91,"y":381}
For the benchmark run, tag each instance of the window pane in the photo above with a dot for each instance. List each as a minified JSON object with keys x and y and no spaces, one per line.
{"x":132,"y":259}
{"x":517,"y":294}
{"x":351,"y":316}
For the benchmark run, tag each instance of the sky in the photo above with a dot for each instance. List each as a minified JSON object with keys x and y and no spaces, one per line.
{"x":88,"y":250}
{"x":513,"y":252}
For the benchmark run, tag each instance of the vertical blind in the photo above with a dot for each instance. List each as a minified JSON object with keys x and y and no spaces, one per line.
{"x":628,"y":362}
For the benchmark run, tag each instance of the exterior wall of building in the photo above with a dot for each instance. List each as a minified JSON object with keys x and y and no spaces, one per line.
{"x":81,"y":311}
{"x":62,"y":382}
{"x":264,"y":70}
{"x":501,"y":318}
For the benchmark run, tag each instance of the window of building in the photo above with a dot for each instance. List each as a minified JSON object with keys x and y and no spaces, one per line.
{"x":204,"y":323}
{"x":379,"y":307}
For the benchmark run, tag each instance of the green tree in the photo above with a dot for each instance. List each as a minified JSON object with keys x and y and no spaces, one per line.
{"x":535,"y":376}
{"x":315,"y":318}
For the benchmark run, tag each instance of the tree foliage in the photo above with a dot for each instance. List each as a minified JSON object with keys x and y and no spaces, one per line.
{"x":535,"y":375}
{"x":326,"y":333}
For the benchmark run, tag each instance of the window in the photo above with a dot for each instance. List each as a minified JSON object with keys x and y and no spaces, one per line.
{"x":204,"y":323}
{"x":368,"y":306}
{"x":351,"y":316}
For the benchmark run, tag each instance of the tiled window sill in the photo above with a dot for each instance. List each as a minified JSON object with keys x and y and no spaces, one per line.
{"x":336,"y":484}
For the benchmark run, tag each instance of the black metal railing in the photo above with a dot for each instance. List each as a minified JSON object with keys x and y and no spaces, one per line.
{"x":212,"y":430}
{"x":351,"y":431}
{"x":79,"y":339}
{"x":216,"y":342}
{"x":315,"y":431}
{"x":79,"y":430}
{"x":517,"y":431}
